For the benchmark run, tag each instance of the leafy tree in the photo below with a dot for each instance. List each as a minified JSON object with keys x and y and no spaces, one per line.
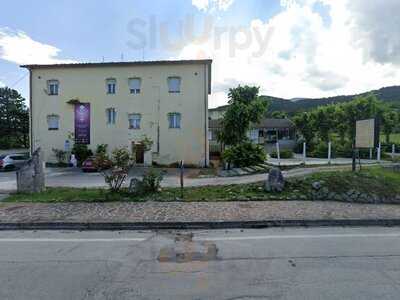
{"x":305,"y":126}
{"x":14,"y":119}
{"x":279,"y":115}
{"x":389,"y":121}
{"x":245,"y":107}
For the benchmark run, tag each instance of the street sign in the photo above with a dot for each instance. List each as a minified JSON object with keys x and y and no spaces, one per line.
{"x":367,"y":134}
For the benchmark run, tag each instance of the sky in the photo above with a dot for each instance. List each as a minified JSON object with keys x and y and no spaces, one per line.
{"x":289,"y":48}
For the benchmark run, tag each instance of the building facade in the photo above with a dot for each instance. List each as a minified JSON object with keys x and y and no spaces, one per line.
{"x":123,"y":104}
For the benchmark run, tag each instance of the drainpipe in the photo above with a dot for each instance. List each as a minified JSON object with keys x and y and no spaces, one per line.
{"x":30,"y":113}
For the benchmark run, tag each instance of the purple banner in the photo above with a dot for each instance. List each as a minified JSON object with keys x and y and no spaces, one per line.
{"x":82,"y":123}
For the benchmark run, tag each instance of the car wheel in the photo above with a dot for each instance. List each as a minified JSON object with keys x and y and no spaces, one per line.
{"x":9,"y":168}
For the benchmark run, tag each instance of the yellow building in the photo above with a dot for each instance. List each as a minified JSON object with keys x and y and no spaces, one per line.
{"x":121,"y":104}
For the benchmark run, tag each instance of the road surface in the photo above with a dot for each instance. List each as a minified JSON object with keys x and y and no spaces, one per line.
{"x":318,"y":263}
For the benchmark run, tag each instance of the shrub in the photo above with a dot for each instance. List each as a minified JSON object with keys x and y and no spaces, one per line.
{"x":120,"y":163}
{"x":101,"y":149}
{"x":151,"y":181}
{"x":285,"y":154}
{"x":60,"y":155}
{"x":82,"y":152}
{"x":244,"y":154}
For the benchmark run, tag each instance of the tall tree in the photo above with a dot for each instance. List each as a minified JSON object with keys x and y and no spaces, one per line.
{"x":389,"y":121}
{"x":304,"y":124}
{"x":279,"y":115}
{"x":14,"y":119}
{"x":245,"y":107}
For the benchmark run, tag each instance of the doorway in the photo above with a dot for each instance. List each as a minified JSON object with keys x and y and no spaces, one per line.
{"x":138,"y":150}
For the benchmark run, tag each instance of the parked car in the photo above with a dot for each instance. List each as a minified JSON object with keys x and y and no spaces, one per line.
{"x":13,"y":161}
{"x":88,"y":165}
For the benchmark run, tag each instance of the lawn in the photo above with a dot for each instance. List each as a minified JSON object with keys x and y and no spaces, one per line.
{"x":372,"y":181}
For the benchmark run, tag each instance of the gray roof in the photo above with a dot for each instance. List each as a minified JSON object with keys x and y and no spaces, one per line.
{"x":265,"y":123}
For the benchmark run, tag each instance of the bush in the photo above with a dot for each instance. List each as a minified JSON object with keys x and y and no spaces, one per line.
{"x":151,"y":181}
{"x":101,"y":149}
{"x":285,"y":154}
{"x":60,"y":155}
{"x":120,"y":164}
{"x":81,"y":152}
{"x":244,"y":155}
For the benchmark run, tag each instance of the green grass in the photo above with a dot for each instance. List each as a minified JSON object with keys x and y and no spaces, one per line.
{"x":374,"y":180}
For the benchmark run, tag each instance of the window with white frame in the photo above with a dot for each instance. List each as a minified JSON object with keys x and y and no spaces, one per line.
{"x":134,"y":85}
{"x":254,"y":135}
{"x":174,"y":120}
{"x":174,"y":84}
{"x":111,"y":85}
{"x":111,"y":115}
{"x":210,"y":135}
{"x":134,"y":121}
{"x":53,"y":122}
{"x":52,"y":87}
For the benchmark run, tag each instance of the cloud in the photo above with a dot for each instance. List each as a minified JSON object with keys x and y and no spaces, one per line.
{"x":2,"y":84}
{"x":305,"y":56}
{"x":212,"y":5}
{"x":19,"y":48}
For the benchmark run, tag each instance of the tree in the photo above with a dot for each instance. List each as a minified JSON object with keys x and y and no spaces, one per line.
{"x":389,"y":121}
{"x":305,"y":126}
{"x":14,"y":119}
{"x":245,"y":107}
{"x":279,"y":115}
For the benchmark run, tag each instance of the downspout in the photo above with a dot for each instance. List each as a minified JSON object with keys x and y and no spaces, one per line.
{"x":30,"y":113}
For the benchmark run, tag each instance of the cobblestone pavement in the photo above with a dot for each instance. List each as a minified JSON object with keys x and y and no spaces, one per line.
{"x":196,"y":211}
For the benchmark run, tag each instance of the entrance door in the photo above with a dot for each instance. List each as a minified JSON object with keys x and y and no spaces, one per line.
{"x":139,"y":153}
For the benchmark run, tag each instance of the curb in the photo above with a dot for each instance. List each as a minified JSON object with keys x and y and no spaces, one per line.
{"x":195,"y":225}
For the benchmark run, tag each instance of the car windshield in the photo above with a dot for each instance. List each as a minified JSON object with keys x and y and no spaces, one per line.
{"x":2,"y":156}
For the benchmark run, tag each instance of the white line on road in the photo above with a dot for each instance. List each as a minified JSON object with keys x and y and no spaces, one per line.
{"x":227,"y":238}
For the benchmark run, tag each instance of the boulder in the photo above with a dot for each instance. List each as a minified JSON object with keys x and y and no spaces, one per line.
{"x":30,"y":177}
{"x":275,"y":181}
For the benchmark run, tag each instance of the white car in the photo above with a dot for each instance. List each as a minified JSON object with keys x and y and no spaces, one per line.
{"x":13,"y":161}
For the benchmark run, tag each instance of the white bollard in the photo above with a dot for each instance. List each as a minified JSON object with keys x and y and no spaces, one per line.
{"x":370,"y":154}
{"x":329,"y":152}
{"x":393,"y":150}
{"x":378,"y":154}
{"x":278,"y":153}
{"x":304,"y":153}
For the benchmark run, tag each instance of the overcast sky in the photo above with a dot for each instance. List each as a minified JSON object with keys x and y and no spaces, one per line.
{"x":304,"y":48}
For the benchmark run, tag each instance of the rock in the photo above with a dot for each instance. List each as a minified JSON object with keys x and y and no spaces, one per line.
{"x":30,"y":177}
{"x":316,"y":185}
{"x":275,"y":181}
{"x":134,"y":186}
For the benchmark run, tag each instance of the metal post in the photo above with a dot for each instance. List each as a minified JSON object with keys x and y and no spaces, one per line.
{"x":329,"y":152}
{"x":181,"y":177}
{"x":304,"y":153}
{"x":370,"y":154}
{"x":379,"y":152}
{"x":278,"y":153}
{"x":393,"y":150}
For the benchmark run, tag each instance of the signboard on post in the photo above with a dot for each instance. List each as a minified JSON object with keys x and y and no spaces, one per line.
{"x":82,"y":123}
{"x":367,"y":134}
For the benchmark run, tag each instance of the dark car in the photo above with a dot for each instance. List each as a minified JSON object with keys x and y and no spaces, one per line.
{"x":88,"y":165}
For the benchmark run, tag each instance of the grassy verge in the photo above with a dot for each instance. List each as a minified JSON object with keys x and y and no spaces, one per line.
{"x":377,"y":181}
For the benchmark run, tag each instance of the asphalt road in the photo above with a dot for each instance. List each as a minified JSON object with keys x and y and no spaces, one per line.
{"x":319,"y":263}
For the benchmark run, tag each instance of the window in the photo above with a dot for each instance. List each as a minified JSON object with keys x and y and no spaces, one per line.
{"x":174,"y":84}
{"x":210,"y":135}
{"x":52,"y":87}
{"x":111,"y":115}
{"x":174,"y":120}
{"x":134,"y":85}
{"x":111,"y":85}
{"x":53,"y":122}
{"x":253,"y":134}
{"x":134,"y":121}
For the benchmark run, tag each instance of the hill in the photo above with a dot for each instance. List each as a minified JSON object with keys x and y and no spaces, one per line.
{"x":389,"y":95}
